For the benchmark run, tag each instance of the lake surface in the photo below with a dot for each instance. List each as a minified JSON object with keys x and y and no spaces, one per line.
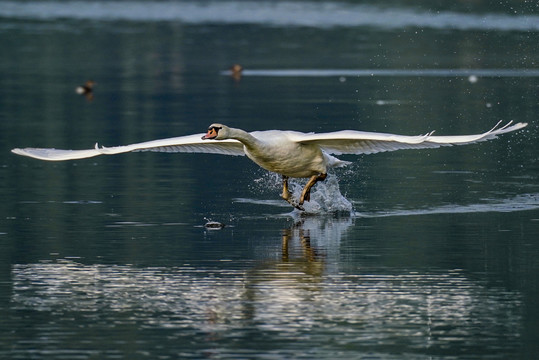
{"x":425,"y":254}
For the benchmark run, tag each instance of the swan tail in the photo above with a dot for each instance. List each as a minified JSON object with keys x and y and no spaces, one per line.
{"x":333,"y":162}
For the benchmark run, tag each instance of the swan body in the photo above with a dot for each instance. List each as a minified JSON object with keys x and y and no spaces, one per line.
{"x":278,"y":151}
{"x":289,"y":153}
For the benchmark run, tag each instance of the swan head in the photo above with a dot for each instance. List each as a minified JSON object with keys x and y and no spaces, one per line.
{"x":216,"y":132}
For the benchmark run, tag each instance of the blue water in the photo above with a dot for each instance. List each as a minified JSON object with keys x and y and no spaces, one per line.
{"x":428,"y":254}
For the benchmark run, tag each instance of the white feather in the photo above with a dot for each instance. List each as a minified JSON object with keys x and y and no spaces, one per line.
{"x":190,"y":144}
{"x":339,"y":142}
{"x":358,"y":142}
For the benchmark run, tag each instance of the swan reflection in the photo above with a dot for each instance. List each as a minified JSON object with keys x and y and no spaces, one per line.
{"x":301,"y":291}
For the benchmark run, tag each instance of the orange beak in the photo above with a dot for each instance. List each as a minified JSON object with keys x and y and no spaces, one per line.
{"x":211,"y":134}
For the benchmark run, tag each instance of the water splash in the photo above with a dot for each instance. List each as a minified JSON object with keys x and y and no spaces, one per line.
{"x":326,"y":197}
{"x":266,"y":183}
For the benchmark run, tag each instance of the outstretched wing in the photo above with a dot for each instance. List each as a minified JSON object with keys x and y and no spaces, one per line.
{"x":359,"y":142}
{"x":189,"y":144}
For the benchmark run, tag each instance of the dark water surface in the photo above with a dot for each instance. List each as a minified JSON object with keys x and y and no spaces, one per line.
{"x":435,"y":257}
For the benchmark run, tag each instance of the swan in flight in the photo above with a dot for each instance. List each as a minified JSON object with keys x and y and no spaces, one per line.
{"x":289,"y":153}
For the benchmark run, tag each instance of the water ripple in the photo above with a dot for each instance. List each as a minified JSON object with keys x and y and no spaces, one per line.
{"x":286,"y":299}
{"x":390,"y":72}
{"x":521,"y":202}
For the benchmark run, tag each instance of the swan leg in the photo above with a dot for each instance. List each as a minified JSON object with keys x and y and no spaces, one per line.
{"x":306,"y":193}
{"x":286,"y":193}
{"x":287,"y":196}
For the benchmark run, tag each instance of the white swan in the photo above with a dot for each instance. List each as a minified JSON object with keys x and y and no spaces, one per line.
{"x":289,"y":153}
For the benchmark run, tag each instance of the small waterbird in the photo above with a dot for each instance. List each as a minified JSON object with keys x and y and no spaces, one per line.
{"x":86,"y":89}
{"x":289,"y":153}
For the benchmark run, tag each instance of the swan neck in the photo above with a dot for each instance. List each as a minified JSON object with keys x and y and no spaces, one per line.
{"x":242,"y":136}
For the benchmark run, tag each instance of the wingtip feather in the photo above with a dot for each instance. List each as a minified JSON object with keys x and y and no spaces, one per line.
{"x":509,"y":127}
